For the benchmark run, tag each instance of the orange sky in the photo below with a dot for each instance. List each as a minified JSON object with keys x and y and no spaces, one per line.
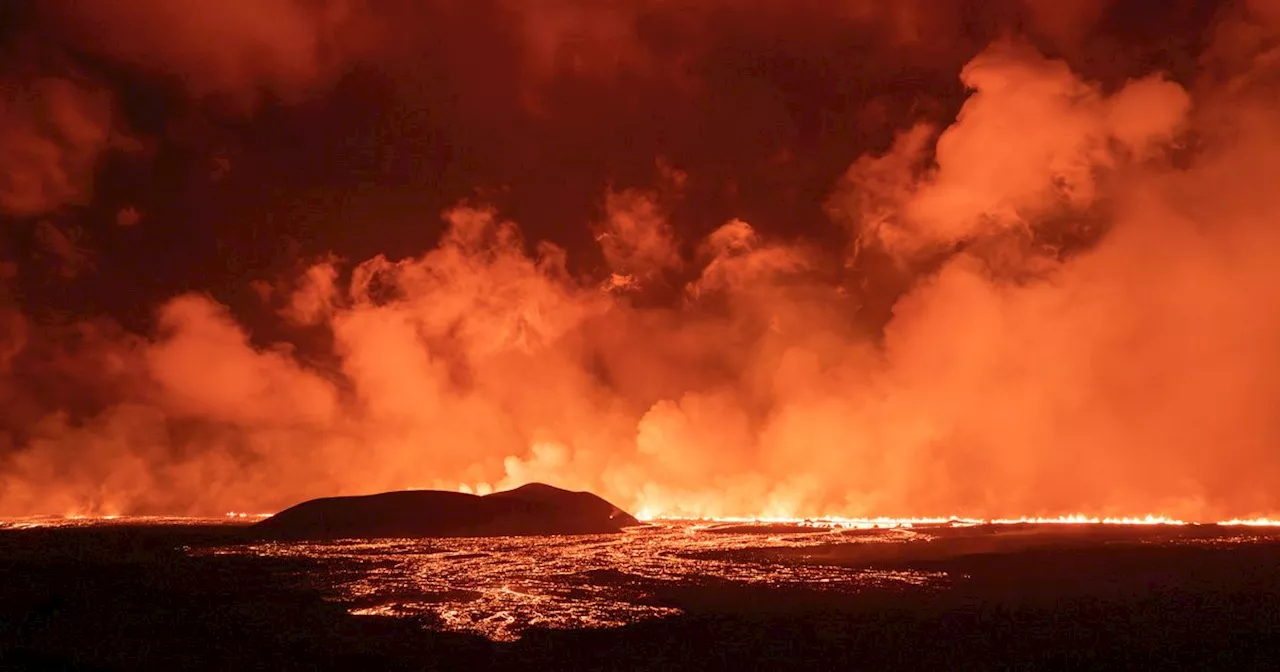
{"x":710,"y":258}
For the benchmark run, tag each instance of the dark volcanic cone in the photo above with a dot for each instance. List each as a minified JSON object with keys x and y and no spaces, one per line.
{"x":534,"y":509}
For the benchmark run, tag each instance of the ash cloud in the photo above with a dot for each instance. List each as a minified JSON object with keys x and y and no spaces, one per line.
{"x":1083,"y":320}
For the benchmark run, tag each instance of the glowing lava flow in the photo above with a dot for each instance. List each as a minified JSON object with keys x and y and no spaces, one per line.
{"x":956,"y":521}
{"x":826,"y":522}
{"x":502,"y":587}
{"x":1252,"y":522}
{"x":1086,"y":520}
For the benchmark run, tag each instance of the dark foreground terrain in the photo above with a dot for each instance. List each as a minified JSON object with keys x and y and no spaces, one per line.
{"x":124,"y":597}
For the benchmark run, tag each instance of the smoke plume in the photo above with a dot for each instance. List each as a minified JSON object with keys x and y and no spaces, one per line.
{"x":1087,"y":321}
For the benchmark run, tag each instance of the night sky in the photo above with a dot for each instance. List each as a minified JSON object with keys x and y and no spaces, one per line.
{"x":246,"y":175}
{"x":827,"y":257}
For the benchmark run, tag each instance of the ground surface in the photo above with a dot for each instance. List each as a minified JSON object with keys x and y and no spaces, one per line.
{"x":124,"y":597}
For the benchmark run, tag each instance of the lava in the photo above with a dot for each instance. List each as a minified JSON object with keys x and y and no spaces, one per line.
{"x":501,"y":587}
{"x":826,"y":522}
{"x":1252,"y":522}
{"x":890,"y":522}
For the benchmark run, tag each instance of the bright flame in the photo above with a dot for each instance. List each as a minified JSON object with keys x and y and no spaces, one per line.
{"x":1252,"y":522}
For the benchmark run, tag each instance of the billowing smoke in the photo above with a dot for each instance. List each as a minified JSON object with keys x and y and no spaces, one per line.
{"x":981,"y":183}
{"x":1089,"y":322}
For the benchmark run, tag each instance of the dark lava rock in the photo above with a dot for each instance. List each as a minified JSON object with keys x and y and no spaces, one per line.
{"x":533,"y":509}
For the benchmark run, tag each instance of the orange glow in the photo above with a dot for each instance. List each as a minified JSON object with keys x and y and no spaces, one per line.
{"x":1057,"y":297}
{"x":1253,"y":522}
{"x":237,"y":515}
{"x":499,"y":587}
{"x":963,"y":521}
{"x":693,"y":523}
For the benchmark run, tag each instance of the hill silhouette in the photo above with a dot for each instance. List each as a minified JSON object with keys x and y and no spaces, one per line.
{"x":533,"y":509}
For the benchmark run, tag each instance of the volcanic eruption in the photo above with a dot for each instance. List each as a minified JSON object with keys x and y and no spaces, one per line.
{"x":639,"y":334}
{"x":711,"y":260}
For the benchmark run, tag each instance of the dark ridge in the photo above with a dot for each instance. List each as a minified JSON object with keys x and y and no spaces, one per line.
{"x":534,"y":509}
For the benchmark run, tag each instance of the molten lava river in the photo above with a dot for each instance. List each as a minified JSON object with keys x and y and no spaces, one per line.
{"x":502,"y":587}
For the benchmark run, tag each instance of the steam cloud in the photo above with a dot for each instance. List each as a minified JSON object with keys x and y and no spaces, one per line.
{"x":1091,"y":323}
